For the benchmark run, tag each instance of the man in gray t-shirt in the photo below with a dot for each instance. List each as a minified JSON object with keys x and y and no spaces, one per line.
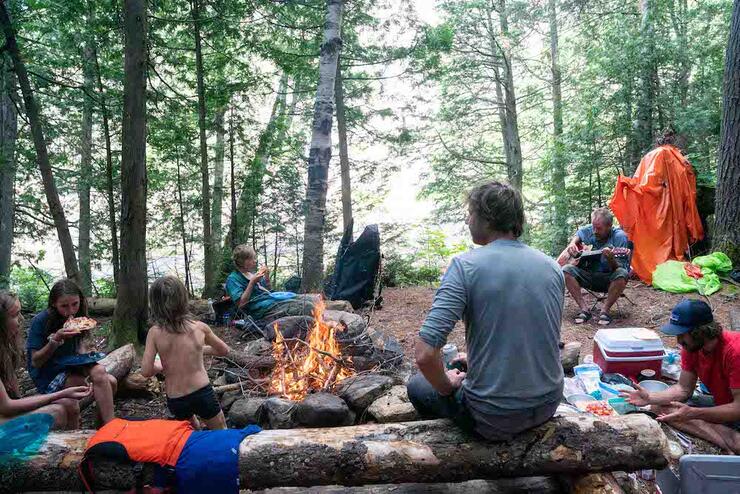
{"x":510,"y":297}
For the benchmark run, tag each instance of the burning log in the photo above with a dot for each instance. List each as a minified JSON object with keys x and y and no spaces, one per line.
{"x":429,"y":451}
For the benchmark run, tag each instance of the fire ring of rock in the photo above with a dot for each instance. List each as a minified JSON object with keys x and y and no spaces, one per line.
{"x":329,"y":370}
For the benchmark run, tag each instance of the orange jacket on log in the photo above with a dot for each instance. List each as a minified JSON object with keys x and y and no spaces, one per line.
{"x":657,"y":209}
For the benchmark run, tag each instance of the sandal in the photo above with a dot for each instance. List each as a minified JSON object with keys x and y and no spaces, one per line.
{"x":605,"y":320}
{"x":582,"y":317}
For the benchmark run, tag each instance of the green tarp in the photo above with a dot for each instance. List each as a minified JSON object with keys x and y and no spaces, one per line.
{"x":671,"y":275}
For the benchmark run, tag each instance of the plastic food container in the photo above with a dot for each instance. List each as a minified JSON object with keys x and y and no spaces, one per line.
{"x":628,"y":351}
{"x":653,"y":386}
{"x":579,"y":398}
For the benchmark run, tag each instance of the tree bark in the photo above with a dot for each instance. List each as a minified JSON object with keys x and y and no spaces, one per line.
{"x":130,"y":317}
{"x":252,"y":187}
{"x":218,"y":192}
{"x":517,"y":485}
{"x":8,"y":135}
{"x":208,"y":271}
{"x":109,"y":189}
{"x":726,"y":236}
{"x":506,"y":97}
{"x":188,"y":279}
{"x":319,"y":155}
{"x":105,"y":307}
{"x":427,"y":451}
{"x":343,"y":151}
{"x":83,"y":185}
{"x":559,"y":195}
{"x":118,"y":363}
{"x":42,"y":154}
{"x":233,"y":225}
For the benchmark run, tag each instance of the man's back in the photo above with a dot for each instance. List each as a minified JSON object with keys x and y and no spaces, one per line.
{"x":182,"y":359}
{"x":511,"y":299}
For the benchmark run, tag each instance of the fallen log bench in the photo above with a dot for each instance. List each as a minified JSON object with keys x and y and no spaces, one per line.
{"x":433,"y":451}
{"x":118,"y":363}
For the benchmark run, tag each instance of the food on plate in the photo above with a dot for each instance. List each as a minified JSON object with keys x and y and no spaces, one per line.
{"x":599,"y":408}
{"x":80,"y":324}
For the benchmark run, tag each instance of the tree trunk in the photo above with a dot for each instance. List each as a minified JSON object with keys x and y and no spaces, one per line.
{"x":516,"y":485}
{"x":208,"y":271}
{"x":319,"y":155}
{"x":42,"y":155}
{"x":427,"y":451}
{"x":726,"y":236}
{"x":648,"y":76}
{"x":188,"y":279}
{"x":559,"y":194}
{"x":130,"y":317}
{"x":8,"y":134}
{"x":109,"y":190}
{"x":343,"y":151}
{"x":83,"y":185}
{"x":506,"y":98}
{"x":252,"y":187}
{"x":233,"y":225}
{"x":105,"y":307}
{"x":218,"y":192}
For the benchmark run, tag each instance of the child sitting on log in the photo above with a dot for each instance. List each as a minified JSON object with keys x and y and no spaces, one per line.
{"x":61,"y":405}
{"x":181,"y":343}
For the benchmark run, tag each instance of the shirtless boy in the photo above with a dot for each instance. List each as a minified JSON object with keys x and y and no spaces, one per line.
{"x":181,"y":343}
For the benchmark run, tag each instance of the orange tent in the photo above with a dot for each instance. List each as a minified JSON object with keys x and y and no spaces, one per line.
{"x":657,"y":209}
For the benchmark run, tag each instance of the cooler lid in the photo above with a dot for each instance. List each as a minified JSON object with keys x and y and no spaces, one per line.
{"x":628,"y":339}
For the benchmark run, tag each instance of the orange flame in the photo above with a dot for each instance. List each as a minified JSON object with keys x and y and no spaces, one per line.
{"x":300,"y":370}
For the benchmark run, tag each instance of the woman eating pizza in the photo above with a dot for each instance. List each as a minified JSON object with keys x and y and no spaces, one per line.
{"x":56,"y":354}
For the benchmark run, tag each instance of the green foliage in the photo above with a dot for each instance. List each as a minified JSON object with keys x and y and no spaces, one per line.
{"x":105,"y":287}
{"x":28,"y":285}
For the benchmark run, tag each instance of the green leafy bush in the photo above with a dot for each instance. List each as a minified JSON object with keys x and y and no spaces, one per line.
{"x":28,"y":285}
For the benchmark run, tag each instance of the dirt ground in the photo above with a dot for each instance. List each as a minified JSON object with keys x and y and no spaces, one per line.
{"x":404,"y":310}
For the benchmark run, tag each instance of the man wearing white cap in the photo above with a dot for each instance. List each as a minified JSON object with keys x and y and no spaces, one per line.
{"x":712,"y":355}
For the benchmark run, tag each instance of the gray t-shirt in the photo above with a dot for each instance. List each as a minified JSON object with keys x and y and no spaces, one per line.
{"x":510,"y":297}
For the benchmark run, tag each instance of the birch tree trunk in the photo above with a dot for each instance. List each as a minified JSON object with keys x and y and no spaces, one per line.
{"x":8,"y":134}
{"x":560,"y":198}
{"x":319,"y":155}
{"x":343,"y":149}
{"x":727,"y":216}
{"x":130,"y":316}
{"x":252,"y":186}
{"x":42,"y":154}
{"x":83,"y":185}
{"x":208,"y":271}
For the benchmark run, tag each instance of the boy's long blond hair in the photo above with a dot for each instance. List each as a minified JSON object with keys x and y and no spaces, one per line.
{"x":10,"y":347}
{"x":168,"y":305}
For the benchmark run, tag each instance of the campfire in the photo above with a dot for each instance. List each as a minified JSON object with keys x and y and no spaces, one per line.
{"x":303,"y":367}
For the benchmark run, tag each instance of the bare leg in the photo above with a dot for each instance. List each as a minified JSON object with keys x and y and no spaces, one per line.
{"x":72,"y":412}
{"x":217,"y":422}
{"x":195,"y":423}
{"x":575,"y":291}
{"x":722,"y":436}
{"x":103,"y":392}
{"x":616,"y":288}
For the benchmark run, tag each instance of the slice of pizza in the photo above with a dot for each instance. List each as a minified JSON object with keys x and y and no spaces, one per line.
{"x":80,"y":324}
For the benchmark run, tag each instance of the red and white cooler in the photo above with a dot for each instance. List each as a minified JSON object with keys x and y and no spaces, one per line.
{"x":628,"y":351}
